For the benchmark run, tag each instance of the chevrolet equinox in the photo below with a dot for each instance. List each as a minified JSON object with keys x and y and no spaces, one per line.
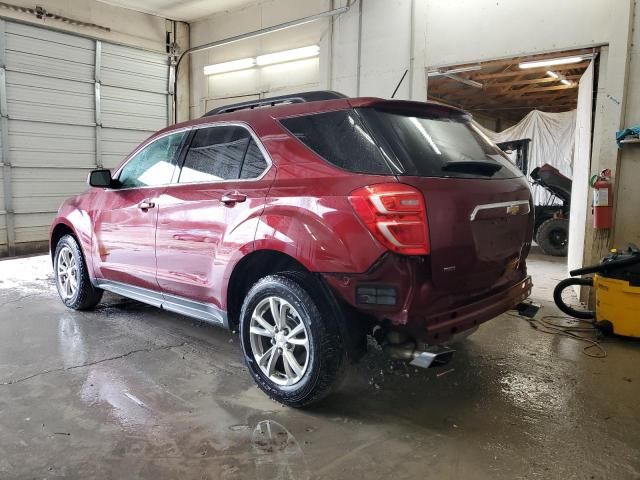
{"x":307,"y":222}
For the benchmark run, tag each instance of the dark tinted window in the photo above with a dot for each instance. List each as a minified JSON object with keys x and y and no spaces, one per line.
{"x":215,"y":154}
{"x":254,"y":162}
{"x":153,"y":165}
{"x":341,"y":139}
{"x":437,"y":146}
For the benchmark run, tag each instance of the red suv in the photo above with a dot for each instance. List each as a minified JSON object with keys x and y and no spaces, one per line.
{"x":307,"y":222}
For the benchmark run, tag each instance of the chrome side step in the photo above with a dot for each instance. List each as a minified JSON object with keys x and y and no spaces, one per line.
{"x":202,"y":311}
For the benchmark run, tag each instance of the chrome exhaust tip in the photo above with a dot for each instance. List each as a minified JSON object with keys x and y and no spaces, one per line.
{"x":436,"y":357}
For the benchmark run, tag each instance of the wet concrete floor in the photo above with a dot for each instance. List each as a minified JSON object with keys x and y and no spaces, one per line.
{"x":128,"y":391}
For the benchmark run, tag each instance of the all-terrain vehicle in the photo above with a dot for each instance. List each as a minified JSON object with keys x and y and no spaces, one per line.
{"x":551,"y":228}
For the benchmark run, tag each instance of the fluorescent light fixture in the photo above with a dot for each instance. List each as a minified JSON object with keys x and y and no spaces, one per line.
{"x":466,"y":81}
{"x":288,"y":55}
{"x":262,"y":60}
{"x":550,"y":62}
{"x":437,"y":73}
{"x":561,"y":78}
{"x":231,"y":66}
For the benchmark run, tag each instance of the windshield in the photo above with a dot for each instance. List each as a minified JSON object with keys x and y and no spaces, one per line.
{"x":436,"y":146}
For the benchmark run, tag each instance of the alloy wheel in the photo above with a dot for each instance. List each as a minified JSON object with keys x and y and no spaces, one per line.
{"x":279,"y":341}
{"x":67,"y":273}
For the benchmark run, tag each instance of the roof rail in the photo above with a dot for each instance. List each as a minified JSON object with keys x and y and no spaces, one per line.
{"x":284,"y":99}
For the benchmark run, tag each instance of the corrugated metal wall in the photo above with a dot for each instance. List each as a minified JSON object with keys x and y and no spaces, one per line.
{"x":134,"y":99}
{"x":68,"y":104}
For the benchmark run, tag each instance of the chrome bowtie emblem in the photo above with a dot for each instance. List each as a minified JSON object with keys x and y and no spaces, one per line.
{"x":513,"y":209}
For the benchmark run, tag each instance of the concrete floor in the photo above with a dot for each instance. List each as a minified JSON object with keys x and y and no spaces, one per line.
{"x":129,"y":391}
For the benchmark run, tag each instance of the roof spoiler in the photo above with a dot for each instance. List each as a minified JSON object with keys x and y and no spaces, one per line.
{"x":284,"y":99}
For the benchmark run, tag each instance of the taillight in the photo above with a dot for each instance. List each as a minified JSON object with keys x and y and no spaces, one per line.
{"x":396,"y":215}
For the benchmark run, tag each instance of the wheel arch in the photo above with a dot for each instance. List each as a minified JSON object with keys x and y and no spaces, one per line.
{"x":249,"y":270}
{"x":58,"y":231}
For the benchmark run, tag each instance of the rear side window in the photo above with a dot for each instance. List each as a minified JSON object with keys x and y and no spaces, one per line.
{"x":215,"y":154}
{"x":223,"y":152}
{"x":341,"y":139}
{"x":437,"y":146}
{"x":254,"y":162}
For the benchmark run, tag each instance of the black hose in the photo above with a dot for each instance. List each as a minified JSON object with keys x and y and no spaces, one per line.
{"x":557,"y":297}
{"x":606,"y":266}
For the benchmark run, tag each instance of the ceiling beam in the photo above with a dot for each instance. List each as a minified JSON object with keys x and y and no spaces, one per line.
{"x":529,"y":81}
{"x":530,"y":58}
{"x":444,"y":85}
{"x":510,"y":73}
{"x":528,"y":90}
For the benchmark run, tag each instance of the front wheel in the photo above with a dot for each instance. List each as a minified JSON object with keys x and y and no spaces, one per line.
{"x":72,"y":278}
{"x":291,"y":339}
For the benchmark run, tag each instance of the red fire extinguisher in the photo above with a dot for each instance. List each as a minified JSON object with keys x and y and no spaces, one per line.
{"x":602,"y":199}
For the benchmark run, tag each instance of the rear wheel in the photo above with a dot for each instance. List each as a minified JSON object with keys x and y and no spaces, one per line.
{"x":553,"y":237}
{"x":72,"y":278}
{"x":291,"y":339}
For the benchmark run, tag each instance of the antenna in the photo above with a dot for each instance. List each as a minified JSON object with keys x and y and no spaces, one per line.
{"x":399,"y":83}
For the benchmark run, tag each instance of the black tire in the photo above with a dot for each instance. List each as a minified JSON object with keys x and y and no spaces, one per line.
{"x":557,"y":298}
{"x":327,"y":353}
{"x":553,"y":237}
{"x":86,"y":295}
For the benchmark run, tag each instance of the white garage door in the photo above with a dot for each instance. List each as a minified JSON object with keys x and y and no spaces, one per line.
{"x":68,"y":104}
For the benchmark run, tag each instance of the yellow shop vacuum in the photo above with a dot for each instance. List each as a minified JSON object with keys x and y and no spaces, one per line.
{"x":617,"y":286}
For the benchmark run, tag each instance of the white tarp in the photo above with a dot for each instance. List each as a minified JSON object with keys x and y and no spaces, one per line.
{"x":552,"y":141}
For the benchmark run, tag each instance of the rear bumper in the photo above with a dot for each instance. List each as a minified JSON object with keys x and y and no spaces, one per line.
{"x":439,"y":328}
{"x":426,"y":313}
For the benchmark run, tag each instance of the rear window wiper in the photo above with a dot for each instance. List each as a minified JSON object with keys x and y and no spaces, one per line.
{"x":482,"y":167}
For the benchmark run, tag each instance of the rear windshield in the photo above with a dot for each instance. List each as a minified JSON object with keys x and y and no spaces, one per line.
{"x":373,"y":140}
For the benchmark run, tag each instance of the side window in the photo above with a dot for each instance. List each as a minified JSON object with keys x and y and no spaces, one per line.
{"x":254,"y":162}
{"x":153,"y":165}
{"x":341,"y":139}
{"x":215,"y":154}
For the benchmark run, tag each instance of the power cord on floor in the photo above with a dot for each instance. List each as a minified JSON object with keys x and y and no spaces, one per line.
{"x":546,"y":325}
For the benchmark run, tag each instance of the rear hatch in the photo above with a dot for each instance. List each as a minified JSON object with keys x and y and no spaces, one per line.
{"x":478,"y":229}
{"x":477,"y":202}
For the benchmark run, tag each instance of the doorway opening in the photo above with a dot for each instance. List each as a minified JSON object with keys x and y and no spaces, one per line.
{"x":539,"y":110}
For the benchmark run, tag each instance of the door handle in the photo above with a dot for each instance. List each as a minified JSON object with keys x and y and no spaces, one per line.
{"x":230,"y":198}
{"x":146,"y":205}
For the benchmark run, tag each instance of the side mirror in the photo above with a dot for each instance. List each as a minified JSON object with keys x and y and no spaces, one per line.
{"x":100,"y":178}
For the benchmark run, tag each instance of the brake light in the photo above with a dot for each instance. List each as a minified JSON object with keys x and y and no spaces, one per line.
{"x":396,"y":215}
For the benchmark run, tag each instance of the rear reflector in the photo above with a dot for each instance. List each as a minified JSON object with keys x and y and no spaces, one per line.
{"x":376,"y":295}
{"x":396,"y":215}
